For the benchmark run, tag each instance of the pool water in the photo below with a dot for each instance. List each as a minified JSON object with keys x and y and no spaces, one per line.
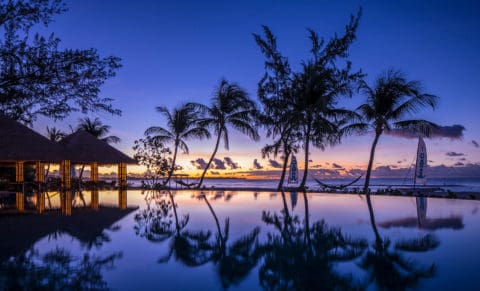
{"x":192,"y":240}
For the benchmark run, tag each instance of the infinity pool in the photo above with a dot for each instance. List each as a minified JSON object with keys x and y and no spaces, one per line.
{"x":191,"y":240}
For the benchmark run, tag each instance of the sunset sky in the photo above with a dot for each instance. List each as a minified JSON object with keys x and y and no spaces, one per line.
{"x":177,"y":51}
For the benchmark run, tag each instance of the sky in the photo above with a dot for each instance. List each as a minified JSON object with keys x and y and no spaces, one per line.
{"x":177,"y":51}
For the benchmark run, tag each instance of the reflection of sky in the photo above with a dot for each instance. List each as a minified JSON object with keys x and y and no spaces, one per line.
{"x":138,"y":268}
{"x":177,"y":51}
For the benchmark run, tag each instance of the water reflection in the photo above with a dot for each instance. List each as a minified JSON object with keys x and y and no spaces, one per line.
{"x":58,"y":269}
{"x":156,"y":224}
{"x":233,"y":261}
{"x":302,"y":256}
{"x":388,"y":267}
{"x":423,"y":222}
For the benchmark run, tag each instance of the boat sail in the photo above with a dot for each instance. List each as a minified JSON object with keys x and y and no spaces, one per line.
{"x":421,"y":164}
{"x":293,"y":174}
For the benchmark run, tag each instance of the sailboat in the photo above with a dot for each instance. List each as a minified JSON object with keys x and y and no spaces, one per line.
{"x":421,"y":164}
{"x":293,"y":173}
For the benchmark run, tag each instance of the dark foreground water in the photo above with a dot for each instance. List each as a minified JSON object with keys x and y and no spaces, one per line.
{"x":243,"y":240}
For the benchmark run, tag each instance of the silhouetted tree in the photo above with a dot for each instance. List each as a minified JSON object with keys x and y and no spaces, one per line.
{"x":391,"y":99}
{"x":96,"y":128}
{"x":230,"y":106}
{"x":150,"y":153}
{"x":309,"y":97}
{"x":181,"y":124}
{"x":39,"y":78}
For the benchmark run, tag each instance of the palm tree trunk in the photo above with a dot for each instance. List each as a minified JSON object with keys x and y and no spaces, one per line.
{"x":211,"y":159}
{"x":284,"y":169}
{"x":308,"y":239}
{"x":370,"y":164}
{"x":173,"y":164}
{"x":305,"y":171}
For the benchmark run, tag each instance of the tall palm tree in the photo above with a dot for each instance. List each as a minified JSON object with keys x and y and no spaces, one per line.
{"x":391,"y":99}
{"x":181,"y":124}
{"x":230,"y":106}
{"x":96,"y":128}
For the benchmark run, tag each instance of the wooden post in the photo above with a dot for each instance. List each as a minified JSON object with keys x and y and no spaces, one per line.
{"x":122,"y":176}
{"x":40,"y":202}
{"x":66,"y":175}
{"x":122,"y":198}
{"x":39,"y":172}
{"x":19,"y":178}
{"x":66,"y":201}
{"x":94,"y":172}
{"x":94,"y":199}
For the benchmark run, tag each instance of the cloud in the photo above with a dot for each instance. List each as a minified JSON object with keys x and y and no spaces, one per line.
{"x":475,"y":144}
{"x":199,"y":163}
{"x":462,"y":159}
{"x":214,"y":172}
{"x":231,"y":163}
{"x":336,"y":166}
{"x":274,"y":164}
{"x":310,"y":161}
{"x":453,"y":132}
{"x":256,"y":165}
{"x":458,"y":164}
{"x":399,"y":162}
{"x":218,"y":164}
{"x":454,"y":154}
{"x":316,"y":166}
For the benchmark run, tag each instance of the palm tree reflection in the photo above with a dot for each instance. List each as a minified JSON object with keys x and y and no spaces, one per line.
{"x":158,"y":224}
{"x":386,"y":264}
{"x":301,"y":256}
{"x":234,"y":261}
{"x":55,"y":270}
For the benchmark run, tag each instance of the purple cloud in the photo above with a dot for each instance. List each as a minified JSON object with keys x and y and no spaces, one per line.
{"x":199,"y":163}
{"x":231,"y":163}
{"x":256,"y":165}
{"x":454,"y":154}
{"x":274,"y":164}
{"x":453,"y":132}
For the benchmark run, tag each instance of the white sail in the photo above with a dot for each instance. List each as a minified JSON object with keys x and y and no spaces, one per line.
{"x":293,"y":174}
{"x":421,"y":165}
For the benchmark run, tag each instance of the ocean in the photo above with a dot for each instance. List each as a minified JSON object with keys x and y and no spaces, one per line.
{"x":452,"y":184}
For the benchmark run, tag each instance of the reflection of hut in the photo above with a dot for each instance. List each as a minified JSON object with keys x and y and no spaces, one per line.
{"x":82,"y":148}
{"x":20,"y":232}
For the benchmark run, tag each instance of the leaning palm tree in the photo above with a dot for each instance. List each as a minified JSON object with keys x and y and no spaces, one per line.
{"x":97,"y":129}
{"x":230,"y":106}
{"x":182,"y":124}
{"x":389,"y":101}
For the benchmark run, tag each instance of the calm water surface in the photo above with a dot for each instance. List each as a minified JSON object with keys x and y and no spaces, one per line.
{"x":189,"y":240}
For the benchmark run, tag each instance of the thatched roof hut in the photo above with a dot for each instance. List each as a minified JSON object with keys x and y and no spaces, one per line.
{"x":18,"y":143}
{"x":82,"y":148}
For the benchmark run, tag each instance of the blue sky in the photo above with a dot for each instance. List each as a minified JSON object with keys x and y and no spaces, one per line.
{"x":177,"y":51}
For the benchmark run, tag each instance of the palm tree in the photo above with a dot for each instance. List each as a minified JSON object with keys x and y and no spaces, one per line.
{"x":55,"y":134}
{"x":309,"y":97}
{"x":389,"y":101}
{"x":97,"y":129}
{"x":230,"y":106}
{"x":182,"y":124}
{"x":274,"y":91}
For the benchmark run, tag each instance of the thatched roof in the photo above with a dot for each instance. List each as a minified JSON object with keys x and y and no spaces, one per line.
{"x":82,"y":147}
{"x":20,"y":143}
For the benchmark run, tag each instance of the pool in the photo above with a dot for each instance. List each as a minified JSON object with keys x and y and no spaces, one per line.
{"x":192,"y":240}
